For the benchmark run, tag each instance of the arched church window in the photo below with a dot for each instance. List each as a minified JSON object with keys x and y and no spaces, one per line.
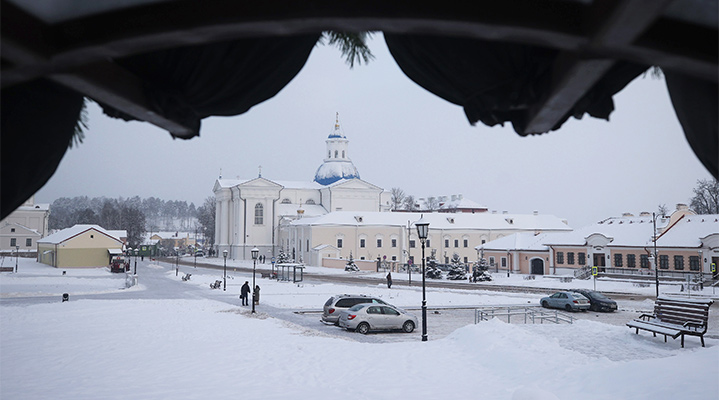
{"x":329,"y":154}
{"x":259,"y":214}
{"x":286,"y":201}
{"x":343,"y":154}
{"x":336,"y":153}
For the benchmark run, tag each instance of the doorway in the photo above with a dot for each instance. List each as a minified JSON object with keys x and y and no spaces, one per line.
{"x":599,"y":261}
{"x":537,"y":266}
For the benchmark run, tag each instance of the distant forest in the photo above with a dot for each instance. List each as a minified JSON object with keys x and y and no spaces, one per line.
{"x":137,"y":216}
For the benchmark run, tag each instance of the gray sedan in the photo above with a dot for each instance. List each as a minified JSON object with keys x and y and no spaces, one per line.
{"x":566,"y":300}
{"x":367,"y":316}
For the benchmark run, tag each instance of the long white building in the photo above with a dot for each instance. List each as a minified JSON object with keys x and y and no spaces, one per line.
{"x":338,"y":214}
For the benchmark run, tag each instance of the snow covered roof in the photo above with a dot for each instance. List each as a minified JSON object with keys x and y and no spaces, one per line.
{"x":229,"y":183}
{"x":34,"y":207}
{"x":333,"y":170}
{"x":65,"y":234}
{"x":171,"y":234}
{"x":624,"y":231}
{"x":445,"y":221}
{"x":518,"y":241}
{"x":310,"y":210}
{"x":689,"y":231}
{"x":118,"y":234}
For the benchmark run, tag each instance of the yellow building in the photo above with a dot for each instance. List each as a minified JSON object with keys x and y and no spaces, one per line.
{"x":78,"y":246}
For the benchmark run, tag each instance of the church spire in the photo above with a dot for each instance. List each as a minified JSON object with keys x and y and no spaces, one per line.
{"x":337,"y":165}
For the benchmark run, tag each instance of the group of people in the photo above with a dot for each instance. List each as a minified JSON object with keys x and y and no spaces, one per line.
{"x":245,"y":293}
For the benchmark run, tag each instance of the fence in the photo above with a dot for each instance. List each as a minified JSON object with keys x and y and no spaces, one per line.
{"x":531,"y":314}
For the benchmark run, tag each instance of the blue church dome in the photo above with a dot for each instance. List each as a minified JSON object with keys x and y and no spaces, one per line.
{"x":332,"y":171}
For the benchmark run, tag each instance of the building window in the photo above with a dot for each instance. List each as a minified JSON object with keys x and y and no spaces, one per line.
{"x":446,"y":260}
{"x":491,"y":260}
{"x":581,"y":258}
{"x":379,"y":243}
{"x":259,"y":214}
{"x":484,"y":241}
{"x":504,"y":262}
{"x":339,"y":243}
{"x":336,"y":153}
{"x":308,"y":245}
{"x":286,"y":201}
{"x":664,"y":262}
{"x":343,"y":154}
{"x":28,"y":242}
{"x":466,"y":242}
{"x":12,"y":230}
{"x":456,"y":242}
{"x":310,"y":201}
{"x":446,"y":242}
{"x":618,"y":260}
{"x":631,"y":260}
{"x":644,"y":261}
{"x":465,"y":260}
{"x":427,"y":242}
{"x":570,"y":258}
{"x":679,"y":262}
{"x":394,"y":242}
{"x":693,"y":263}
{"x":411,"y":244}
{"x":394,"y":258}
{"x":362,"y":243}
{"x":560,"y":257}
{"x":13,"y":242}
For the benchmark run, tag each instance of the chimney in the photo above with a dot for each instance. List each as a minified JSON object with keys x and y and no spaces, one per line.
{"x":682,"y":207}
{"x":626,"y":214}
{"x":645,"y":214}
{"x":535,"y":212}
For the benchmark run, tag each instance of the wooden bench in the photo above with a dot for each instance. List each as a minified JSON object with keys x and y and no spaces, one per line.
{"x":675,"y":317}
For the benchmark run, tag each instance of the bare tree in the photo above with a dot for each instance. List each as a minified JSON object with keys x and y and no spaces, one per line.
{"x":410,"y":203}
{"x":663,"y":210}
{"x":397,"y":198}
{"x":431,"y":203}
{"x":206,"y":218}
{"x":706,"y":197}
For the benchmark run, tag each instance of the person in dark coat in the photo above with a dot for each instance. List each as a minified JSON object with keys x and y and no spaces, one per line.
{"x":244,"y":293}
{"x":389,"y":280}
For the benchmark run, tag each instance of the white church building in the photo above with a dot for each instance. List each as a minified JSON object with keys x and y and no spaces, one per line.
{"x":338,"y":215}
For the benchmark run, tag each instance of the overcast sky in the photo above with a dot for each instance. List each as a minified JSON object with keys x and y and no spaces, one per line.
{"x":400,"y":136}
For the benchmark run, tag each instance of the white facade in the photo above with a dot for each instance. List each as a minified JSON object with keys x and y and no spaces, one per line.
{"x":24,"y":227}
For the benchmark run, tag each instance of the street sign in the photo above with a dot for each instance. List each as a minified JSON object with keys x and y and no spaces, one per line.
{"x":714,"y":267}
{"x":594,"y":271}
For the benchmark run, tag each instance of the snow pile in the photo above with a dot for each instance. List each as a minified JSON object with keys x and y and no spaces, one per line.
{"x":188,"y":349}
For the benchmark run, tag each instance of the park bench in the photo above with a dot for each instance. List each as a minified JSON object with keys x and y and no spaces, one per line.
{"x":675,"y":317}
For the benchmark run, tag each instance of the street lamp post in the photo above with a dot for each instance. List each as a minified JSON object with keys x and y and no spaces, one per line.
{"x":136,"y":252}
{"x":128,"y":253}
{"x":656,"y":260}
{"x":255,"y":251}
{"x":422,"y":231}
{"x":224,"y":279}
{"x":17,"y":254}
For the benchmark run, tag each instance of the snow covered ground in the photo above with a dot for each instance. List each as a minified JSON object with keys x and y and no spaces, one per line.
{"x":166,"y":338}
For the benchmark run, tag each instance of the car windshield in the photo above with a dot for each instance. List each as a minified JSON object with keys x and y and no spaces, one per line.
{"x":598,"y":295}
{"x":357,"y":307}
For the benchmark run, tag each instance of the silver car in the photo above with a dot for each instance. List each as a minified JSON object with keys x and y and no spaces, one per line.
{"x":566,"y":300}
{"x":335,"y":304}
{"x":367,"y":316}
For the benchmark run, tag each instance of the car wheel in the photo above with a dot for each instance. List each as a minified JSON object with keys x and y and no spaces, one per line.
{"x":363,"y":328}
{"x":408,"y":326}
{"x":568,"y":307}
{"x":545,"y":304}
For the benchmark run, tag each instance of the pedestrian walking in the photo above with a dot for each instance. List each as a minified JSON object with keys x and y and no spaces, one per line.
{"x":244,"y":293}
{"x":389,"y":280}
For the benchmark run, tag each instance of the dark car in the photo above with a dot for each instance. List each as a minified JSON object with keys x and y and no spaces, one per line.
{"x":598,"y":301}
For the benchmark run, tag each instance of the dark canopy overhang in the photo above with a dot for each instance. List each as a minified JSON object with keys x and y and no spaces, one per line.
{"x":533,"y":63}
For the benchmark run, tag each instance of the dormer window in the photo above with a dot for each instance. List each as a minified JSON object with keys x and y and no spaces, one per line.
{"x":310,"y":201}
{"x":450,"y":220}
{"x":286,"y":201}
{"x":510,"y":221}
{"x":358,"y":218}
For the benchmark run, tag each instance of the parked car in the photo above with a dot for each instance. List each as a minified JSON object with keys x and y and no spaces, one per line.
{"x":566,"y":300}
{"x":335,"y":304}
{"x":597,"y":300}
{"x":367,"y":317}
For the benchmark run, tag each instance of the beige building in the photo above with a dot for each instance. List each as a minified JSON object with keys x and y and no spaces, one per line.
{"x":79,"y":246}
{"x":21,"y":230}
{"x":686,"y":243}
{"x":392,"y":237}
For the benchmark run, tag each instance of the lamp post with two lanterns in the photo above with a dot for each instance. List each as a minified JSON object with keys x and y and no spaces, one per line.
{"x":255,"y":251}
{"x":422,"y":231}
{"x":136,"y":253}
